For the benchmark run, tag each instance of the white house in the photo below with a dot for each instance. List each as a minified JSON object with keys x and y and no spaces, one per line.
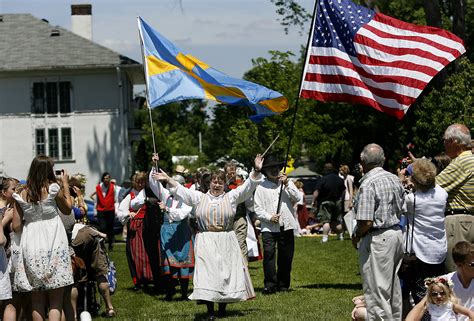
{"x":65,"y":96}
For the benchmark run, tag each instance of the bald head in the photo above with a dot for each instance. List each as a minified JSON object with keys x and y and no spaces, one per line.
{"x":372,"y":156}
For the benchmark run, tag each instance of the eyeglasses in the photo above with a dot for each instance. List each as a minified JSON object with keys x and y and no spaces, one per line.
{"x":436,"y":294}
{"x":470,"y":264}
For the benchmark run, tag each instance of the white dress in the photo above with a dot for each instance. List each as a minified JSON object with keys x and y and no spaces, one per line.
{"x":442,"y":312}
{"x":220,"y":271}
{"x":5,"y":286}
{"x":44,"y":262}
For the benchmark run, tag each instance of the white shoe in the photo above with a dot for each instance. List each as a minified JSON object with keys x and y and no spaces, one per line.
{"x":341,"y":236}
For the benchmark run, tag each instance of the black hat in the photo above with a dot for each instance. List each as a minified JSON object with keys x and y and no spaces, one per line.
{"x":270,"y":161}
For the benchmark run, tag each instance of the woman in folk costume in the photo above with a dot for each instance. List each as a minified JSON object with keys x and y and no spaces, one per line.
{"x":138,"y":260}
{"x":220,"y":274}
{"x":106,"y":196}
{"x":176,"y":243}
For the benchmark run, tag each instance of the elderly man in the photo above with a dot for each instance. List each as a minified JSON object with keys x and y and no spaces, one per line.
{"x":458,"y":180}
{"x":378,"y":208}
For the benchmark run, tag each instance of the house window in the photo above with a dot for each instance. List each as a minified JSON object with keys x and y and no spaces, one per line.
{"x":66,"y":143}
{"x":51,"y":97}
{"x":40,"y":142}
{"x":54,"y":142}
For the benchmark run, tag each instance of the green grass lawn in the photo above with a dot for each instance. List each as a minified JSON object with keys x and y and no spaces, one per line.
{"x":324,"y":280}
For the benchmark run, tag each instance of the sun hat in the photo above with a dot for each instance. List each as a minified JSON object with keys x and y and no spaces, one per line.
{"x":181,"y":169}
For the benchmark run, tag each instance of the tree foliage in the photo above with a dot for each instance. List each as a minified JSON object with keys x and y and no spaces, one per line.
{"x":323,"y":132}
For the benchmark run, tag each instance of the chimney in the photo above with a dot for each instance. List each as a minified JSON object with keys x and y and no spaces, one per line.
{"x":81,"y":20}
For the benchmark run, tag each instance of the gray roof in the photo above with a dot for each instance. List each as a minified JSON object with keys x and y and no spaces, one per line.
{"x":26,"y":43}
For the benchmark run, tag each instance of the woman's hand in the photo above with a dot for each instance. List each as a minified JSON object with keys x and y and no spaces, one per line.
{"x":64,"y":178}
{"x":162,"y":206}
{"x":160,"y":176}
{"x":7,"y":216}
{"x":258,"y":162}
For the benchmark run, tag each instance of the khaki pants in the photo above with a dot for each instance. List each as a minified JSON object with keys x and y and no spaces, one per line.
{"x":459,"y":227}
{"x":380,"y":257}
{"x":240,"y":228}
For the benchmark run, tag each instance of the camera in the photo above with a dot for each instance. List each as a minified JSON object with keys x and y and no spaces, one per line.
{"x":59,"y":172}
{"x":404,"y":163}
{"x":72,"y":191}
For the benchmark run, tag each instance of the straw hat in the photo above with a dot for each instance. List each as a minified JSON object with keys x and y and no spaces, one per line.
{"x":181,"y":169}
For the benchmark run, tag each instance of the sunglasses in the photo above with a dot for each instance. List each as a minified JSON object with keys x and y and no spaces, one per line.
{"x":471,"y":264}
{"x":436,"y":294}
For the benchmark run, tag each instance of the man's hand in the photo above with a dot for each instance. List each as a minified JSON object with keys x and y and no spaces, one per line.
{"x":258,"y":162}
{"x":283,"y":179}
{"x":275,"y":218}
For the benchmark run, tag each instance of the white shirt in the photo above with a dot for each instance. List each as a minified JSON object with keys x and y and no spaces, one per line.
{"x":266,"y":204}
{"x":465,"y":295}
{"x":105,"y":189}
{"x":123,"y":210}
{"x":349,"y":184}
{"x":429,"y":237}
{"x":172,"y":213}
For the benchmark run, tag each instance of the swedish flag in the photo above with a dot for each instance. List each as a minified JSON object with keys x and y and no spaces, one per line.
{"x":172,"y":75}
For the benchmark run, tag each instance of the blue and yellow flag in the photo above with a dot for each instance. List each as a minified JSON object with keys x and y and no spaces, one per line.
{"x":173,"y":75}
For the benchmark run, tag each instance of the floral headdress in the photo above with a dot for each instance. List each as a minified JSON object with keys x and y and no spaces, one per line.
{"x":439,"y":279}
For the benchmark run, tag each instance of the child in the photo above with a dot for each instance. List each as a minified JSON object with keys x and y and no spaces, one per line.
{"x":5,"y":286}
{"x":5,"y":210}
{"x":440,"y":302}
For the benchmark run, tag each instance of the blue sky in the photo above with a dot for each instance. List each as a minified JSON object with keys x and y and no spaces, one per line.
{"x":225,"y":34}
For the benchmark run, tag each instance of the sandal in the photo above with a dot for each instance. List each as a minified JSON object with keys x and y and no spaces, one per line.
{"x":110,"y":313}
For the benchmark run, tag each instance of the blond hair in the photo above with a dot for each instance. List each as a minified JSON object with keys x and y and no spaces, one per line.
{"x":424,"y":174}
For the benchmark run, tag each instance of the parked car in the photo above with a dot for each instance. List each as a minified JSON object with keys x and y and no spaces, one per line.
{"x":94,"y":221}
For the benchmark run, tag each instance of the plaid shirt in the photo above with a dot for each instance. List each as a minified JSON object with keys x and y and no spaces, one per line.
{"x":380,"y":198}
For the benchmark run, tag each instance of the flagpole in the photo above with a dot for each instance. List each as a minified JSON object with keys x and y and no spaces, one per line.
{"x":308,"y":48}
{"x":140,"y":35}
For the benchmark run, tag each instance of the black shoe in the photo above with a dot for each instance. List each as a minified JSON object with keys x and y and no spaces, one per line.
{"x":283,"y":290}
{"x":267,"y":291}
{"x":137,"y":288}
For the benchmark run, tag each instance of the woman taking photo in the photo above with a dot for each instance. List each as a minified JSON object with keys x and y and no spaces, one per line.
{"x":425,"y":235}
{"x":220,"y":271}
{"x":44,"y":266}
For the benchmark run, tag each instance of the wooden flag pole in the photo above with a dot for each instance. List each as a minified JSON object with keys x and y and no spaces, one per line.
{"x":308,"y":46}
{"x":146,"y":89}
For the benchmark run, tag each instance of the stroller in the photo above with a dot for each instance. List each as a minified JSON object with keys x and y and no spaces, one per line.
{"x":88,"y":298}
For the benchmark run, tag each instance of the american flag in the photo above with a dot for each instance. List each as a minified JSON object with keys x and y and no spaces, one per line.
{"x":362,"y":57}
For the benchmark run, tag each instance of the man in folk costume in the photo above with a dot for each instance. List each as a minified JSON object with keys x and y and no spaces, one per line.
{"x":277,"y":226}
{"x":106,"y":198}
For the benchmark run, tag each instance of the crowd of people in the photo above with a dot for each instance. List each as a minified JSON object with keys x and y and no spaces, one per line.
{"x":413,"y":232}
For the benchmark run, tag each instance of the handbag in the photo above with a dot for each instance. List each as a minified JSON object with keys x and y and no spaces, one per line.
{"x":409,"y":259}
{"x":112,"y":277}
